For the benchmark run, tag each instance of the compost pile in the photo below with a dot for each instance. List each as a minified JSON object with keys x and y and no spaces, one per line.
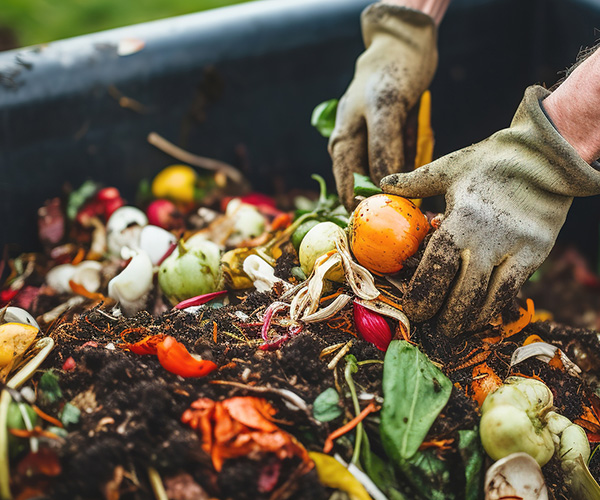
{"x":198,"y":346}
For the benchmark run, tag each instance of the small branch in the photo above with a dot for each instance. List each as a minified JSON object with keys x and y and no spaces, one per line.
{"x":195,"y":160}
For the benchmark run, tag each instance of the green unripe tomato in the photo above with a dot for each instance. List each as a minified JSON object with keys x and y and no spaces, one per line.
{"x":301,"y":232}
{"x":191,"y":272}
{"x":317,"y":242}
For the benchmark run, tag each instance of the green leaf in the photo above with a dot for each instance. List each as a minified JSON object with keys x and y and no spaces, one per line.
{"x":429,"y":476}
{"x":380,"y":471}
{"x":469,"y":446}
{"x":323,"y":117}
{"x":49,"y":388}
{"x":78,"y":197}
{"x":70,"y":415}
{"x":415,"y":392}
{"x":363,"y":186}
{"x":326,"y":406}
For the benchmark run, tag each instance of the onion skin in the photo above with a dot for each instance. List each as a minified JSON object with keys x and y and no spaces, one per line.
{"x":385,"y":230}
{"x":372,"y":327}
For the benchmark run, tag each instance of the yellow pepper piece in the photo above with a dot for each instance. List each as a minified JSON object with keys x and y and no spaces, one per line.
{"x":176,"y":182}
{"x":425,"y":140}
{"x":334,"y":475}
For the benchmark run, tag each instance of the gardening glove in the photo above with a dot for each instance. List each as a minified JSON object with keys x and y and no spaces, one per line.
{"x":506,"y":200}
{"x":389,"y":78}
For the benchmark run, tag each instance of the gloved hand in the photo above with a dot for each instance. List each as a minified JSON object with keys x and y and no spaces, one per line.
{"x":506,"y":200}
{"x":390,"y":76}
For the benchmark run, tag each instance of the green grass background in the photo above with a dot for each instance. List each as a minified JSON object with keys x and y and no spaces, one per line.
{"x":41,"y":21}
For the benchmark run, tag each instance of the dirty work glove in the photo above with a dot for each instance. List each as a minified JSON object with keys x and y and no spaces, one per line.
{"x":506,"y":200}
{"x":389,"y":78}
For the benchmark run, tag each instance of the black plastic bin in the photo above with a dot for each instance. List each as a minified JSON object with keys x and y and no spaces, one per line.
{"x":246,"y":78}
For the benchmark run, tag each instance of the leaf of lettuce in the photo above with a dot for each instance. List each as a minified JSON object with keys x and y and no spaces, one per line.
{"x":363,"y":186}
{"x":323,"y":117}
{"x":415,"y":392}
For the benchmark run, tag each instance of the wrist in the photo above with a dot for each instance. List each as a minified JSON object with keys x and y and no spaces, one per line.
{"x":433,"y":8}
{"x":574,"y":108}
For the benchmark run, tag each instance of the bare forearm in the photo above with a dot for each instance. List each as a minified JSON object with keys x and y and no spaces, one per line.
{"x":574,"y":108}
{"x":434,"y":8}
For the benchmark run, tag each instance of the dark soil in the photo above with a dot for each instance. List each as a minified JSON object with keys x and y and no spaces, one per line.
{"x":131,"y":407}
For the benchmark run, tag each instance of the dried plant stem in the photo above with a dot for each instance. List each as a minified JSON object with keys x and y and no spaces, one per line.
{"x":157,"y":485}
{"x":46,"y":344}
{"x":195,"y":160}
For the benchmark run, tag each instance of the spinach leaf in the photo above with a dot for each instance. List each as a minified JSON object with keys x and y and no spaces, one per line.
{"x":326,"y":406}
{"x":363,"y":186}
{"x":428,"y":475}
{"x":471,"y":452}
{"x":323,"y":117}
{"x":415,"y":392}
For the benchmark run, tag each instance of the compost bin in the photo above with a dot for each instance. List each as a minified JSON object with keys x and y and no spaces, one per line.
{"x":122,"y":402}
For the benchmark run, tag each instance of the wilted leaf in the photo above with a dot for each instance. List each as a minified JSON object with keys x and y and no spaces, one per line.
{"x":70,"y":415}
{"x":429,"y":476}
{"x":380,"y":471}
{"x":49,"y":389}
{"x":415,"y":392}
{"x":326,"y":406}
{"x":323,"y":117}
{"x":334,"y":475}
{"x":469,"y":445}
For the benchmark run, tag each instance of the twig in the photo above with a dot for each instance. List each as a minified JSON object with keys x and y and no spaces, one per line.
{"x":157,"y":485}
{"x":195,"y":160}
{"x":292,"y":397}
{"x":22,"y":375}
{"x":343,"y":351}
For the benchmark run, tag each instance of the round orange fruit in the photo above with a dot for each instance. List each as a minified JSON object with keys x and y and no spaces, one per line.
{"x":385,"y":230}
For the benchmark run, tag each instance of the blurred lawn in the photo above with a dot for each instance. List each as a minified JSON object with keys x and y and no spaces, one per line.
{"x":39,"y":21}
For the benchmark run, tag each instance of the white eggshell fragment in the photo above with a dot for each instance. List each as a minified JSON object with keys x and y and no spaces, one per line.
{"x":123,"y":228}
{"x":17,"y":315}
{"x":86,"y":274}
{"x":155,"y":242}
{"x":515,"y":476}
{"x":131,"y":287}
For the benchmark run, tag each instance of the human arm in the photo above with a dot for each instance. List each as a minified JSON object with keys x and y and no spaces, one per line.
{"x":391,"y":74}
{"x":506,"y":199}
{"x":574,"y":108}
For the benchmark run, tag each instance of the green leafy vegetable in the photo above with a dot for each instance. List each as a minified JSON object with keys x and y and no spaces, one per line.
{"x":380,"y":471}
{"x":78,"y":197}
{"x":363,"y":186}
{"x":326,"y":406}
{"x":323,"y":117}
{"x":49,"y":389}
{"x":415,"y":392}
{"x":471,"y":452}
{"x":429,"y":476}
{"x":70,"y":415}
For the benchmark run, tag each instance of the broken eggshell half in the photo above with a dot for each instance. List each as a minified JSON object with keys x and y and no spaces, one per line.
{"x":516,"y":476}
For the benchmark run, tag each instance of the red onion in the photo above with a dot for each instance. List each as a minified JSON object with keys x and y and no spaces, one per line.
{"x":372,"y":327}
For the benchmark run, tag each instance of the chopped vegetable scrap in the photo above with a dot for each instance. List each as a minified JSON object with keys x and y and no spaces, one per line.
{"x":241,"y":426}
{"x":213,"y":342}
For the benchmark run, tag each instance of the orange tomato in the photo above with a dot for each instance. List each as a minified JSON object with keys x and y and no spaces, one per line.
{"x":385,"y":230}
